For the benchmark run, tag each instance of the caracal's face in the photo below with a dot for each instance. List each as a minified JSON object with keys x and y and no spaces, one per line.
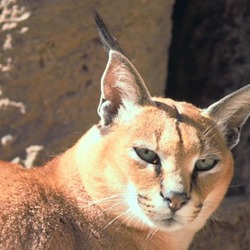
{"x":153,"y":162}
{"x":167,"y":166}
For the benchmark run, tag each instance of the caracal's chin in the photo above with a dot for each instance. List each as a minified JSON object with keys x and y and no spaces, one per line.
{"x":169,"y":224}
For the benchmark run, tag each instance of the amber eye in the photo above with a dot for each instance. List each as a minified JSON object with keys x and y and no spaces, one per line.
{"x":205,"y":164}
{"x":147,"y":155}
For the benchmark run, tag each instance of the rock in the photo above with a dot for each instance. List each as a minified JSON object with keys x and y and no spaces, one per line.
{"x":7,"y":140}
{"x":32,"y":153}
{"x":52,"y":62}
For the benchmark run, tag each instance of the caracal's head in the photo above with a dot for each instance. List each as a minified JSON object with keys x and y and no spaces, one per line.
{"x":160,"y":163}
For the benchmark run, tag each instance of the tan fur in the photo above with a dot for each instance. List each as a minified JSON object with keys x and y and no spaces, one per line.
{"x":100,"y":194}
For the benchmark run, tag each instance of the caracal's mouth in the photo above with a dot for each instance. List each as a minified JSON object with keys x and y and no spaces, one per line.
{"x":169,"y":224}
{"x":155,"y":213}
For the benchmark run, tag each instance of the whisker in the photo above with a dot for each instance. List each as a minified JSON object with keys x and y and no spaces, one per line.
{"x":139,"y":220}
{"x":127,"y":219}
{"x":216,"y":218}
{"x":117,"y":217}
{"x":156,"y":230}
{"x":151,"y":233}
{"x":106,"y":199}
{"x":239,"y":185}
{"x":114,"y":205}
{"x":213,"y":221}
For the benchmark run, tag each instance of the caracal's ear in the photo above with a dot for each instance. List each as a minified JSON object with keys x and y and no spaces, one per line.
{"x":121,"y":84}
{"x":230,"y":113}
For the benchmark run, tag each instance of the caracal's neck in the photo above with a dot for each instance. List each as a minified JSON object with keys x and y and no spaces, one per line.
{"x":63,"y":176}
{"x":74,"y":163}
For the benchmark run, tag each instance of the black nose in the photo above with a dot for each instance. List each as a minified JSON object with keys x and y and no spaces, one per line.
{"x":175,"y":200}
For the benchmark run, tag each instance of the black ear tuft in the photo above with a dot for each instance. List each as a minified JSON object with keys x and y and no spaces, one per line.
{"x":109,"y":42}
{"x":122,"y":87}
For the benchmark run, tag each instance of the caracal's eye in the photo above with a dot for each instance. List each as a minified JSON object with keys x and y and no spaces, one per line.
{"x":205,"y":164}
{"x":148,"y":155}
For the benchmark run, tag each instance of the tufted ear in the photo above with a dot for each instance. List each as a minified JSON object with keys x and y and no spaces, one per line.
{"x":230,"y":113}
{"x":121,"y":86}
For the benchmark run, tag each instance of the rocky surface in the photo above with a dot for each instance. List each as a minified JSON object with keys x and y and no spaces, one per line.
{"x":52,"y":62}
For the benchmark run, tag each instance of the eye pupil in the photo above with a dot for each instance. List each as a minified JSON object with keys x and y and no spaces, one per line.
{"x":147,"y":155}
{"x":205,"y":164}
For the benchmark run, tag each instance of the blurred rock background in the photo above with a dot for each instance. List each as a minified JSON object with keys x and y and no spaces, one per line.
{"x":51,"y":62}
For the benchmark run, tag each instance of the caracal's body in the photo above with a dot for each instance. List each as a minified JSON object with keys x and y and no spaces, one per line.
{"x":148,"y":176}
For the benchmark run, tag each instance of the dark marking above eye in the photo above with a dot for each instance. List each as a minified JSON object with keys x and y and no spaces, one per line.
{"x":179,"y":117}
{"x":179,"y":131}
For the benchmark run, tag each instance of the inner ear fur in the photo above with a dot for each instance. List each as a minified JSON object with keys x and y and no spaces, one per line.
{"x":230,"y":113}
{"x":121,"y":86}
